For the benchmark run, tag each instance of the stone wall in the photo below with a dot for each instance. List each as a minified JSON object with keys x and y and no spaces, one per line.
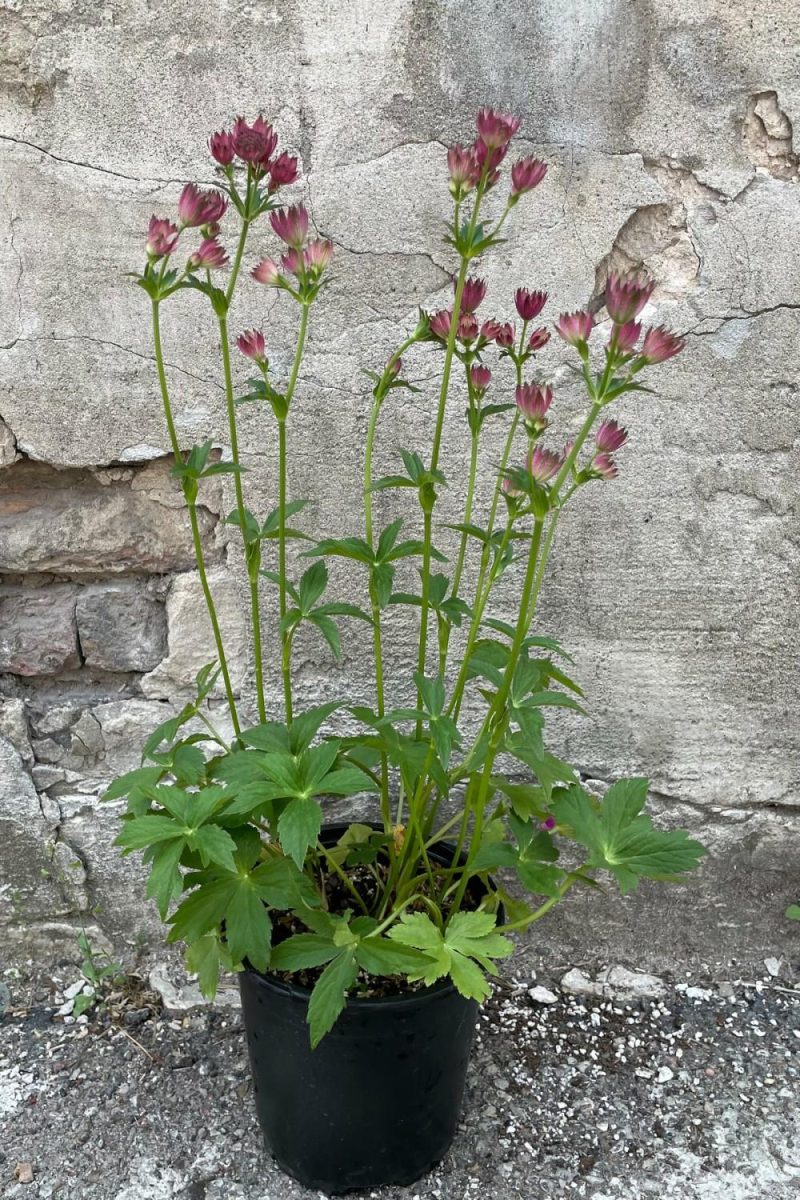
{"x":668,"y":129}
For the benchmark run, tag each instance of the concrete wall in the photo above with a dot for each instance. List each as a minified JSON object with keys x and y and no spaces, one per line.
{"x":668,"y":129}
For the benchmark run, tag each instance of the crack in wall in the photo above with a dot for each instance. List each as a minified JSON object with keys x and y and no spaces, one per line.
{"x":85,"y":337}
{"x":87,"y":166}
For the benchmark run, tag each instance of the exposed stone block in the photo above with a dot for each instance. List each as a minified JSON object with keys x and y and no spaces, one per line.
{"x":121,"y":627}
{"x":37,"y":631}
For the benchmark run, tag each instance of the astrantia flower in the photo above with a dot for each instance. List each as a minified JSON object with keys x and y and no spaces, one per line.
{"x":506,"y":335}
{"x":626,"y":296}
{"x":222,"y":148}
{"x":533,"y":403}
{"x":575,"y":328}
{"x":538,"y":339}
{"x":510,"y":489}
{"x":471,"y":297}
{"x":496,"y":129}
{"x":254,"y":143}
{"x":480,"y":378}
{"x":627,"y":336}
{"x":267,"y":272}
{"x":529,"y":304}
{"x":208,"y":254}
{"x":197,"y":207}
{"x":489,"y":159}
{"x":604,"y":467}
{"x":464,"y":170}
{"x":251,"y":344}
{"x":283,"y":170}
{"x":162,"y":237}
{"x":290,"y":224}
{"x":610,"y":436}
{"x":490,"y":329}
{"x":440,"y":323}
{"x":543,"y":464}
{"x":317,"y":255}
{"x":294,"y":262}
{"x":526,"y":174}
{"x":467,"y":327}
{"x":659,"y":345}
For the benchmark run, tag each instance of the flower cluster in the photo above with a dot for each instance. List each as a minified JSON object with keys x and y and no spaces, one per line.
{"x":625,"y":298}
{"x":255,"y":145}
{"x":480,"y":163}
{"x":305,"y":260}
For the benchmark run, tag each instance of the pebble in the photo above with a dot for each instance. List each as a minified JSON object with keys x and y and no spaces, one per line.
{"x":542,"y":995}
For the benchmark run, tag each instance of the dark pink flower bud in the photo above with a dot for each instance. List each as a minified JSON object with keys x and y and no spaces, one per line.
{"x":544,"y":464}
{"x":496,"y":129}
{"x":394,"y":367}
{"x":162,"y":237}
{"x":464,"y":170}
{"x":626,"y":336}
{"x":251,"y":344}
{"x":626,"y":296}
{"x":526,"y":174}
{"x":468,"y":327}
{"x":222,"y":147}
{"x":490,"y":329}
{"x":208,"y":254}
{"x":294,"y":262}
{"x":575,"y":328}
{"x":538,"y":339}
{"x":489,"y":159}
{"x":604,"y":467}
{"x":440,"y":323}
{"x":266,"y":272}
{"x":610,"y":436}
{"x":254,"y":143}
{"x":506,"y":335}
{"x":290,"y":224}
{"x":549,"y":822}
{"x":529,"y":304}
{"x":283,"y":171}
{"x":317,"y":255}
{"x":480,"y":378}
{"x":471,"y":297}
{"x":533,"y":403}
{"x":196,"y":207}
{"x":659,"y":345}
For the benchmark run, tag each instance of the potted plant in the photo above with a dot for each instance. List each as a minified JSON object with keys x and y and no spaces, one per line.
{"x":364,"y":947}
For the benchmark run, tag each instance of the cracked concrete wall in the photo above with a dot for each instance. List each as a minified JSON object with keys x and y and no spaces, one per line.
{"x":669,"y":132}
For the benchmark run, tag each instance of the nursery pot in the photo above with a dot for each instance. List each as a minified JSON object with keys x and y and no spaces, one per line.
{"x":377,"y":1102}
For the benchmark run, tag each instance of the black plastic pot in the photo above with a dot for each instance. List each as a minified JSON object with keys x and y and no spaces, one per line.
{"x":378,"y":1101}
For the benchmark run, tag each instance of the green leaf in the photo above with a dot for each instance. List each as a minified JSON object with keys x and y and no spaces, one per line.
{"x":379,"y":956}
{"x":298,"y":827}
{"x":350,"y":547}
{"x":147,"y":830}
{"x":329,"y":631}
{"x":382,"y":577}
{"x":303,"y":950}
{"x":312,"y":585}
{"x":165,"y":882}
{"x":202,"y":910}
{"x":330,"y":994}
{"x":306,"y":726}
{"x":793,"y":912}
{"x":417,"y":930}
{"x":539,"y":878}
{"x":283,"y":885}
{"x":132,"y":781}
{"x":469,"y":979}
{"x":214,"y":845}
{"x":248,"y":929}
{"x":346,"y":781}
{"x":202,"y":959}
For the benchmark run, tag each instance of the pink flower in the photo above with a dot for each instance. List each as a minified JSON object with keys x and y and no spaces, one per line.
{"x":538,"y":339}
{"x":196,"y":207}
{"x":464,"y":170}
{"x":208,"y":254}
{"x":529,"y":304}
{"x":496,"y":129}
{"x":526,"y":174}
{"x":290,"y":224}
{"x":254,"y":143}
{"x":282,"y":171}
{"x":659,"y":345}
{"x":510,"y":489}
{"x":490,"y":329}
{"x":266,"y":272}
{"x":480,"y":378}
{"x":221,"y":146}
{"x":604,"y":467}
{"x":610,"y":436}
{"x":626,"y":296}
{"x":440,"y":323}
{"x":162,"y":237}
{"x":474,"y":291}
{"x":543,"y":464}
{"x":317,"y":255}
{"x":489,"y":160}
{"x":506,"y":335}
{"x":251,"y":344}
{"x":627,"y":336}
{"x":548,"y":823}
{"x":575,"y":328}
{"x":533,"y":403}
{"x":468,"y":327}
{"x":294,"y":262}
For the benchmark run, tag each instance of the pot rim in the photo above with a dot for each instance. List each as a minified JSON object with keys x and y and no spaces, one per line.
{"x":442,"y":987}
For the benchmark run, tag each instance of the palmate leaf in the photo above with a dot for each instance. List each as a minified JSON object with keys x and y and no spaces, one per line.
{"x":621,"y":839}
{"x":248,"y":929}
{"x":298,"y":827}
{"x":330,"y":993}
{"x":468,"y":936}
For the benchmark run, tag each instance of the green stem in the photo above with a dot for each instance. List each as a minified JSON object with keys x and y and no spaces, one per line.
{"x":346,"y":880}
{"x":427,"y":535}
{"x":286,"y":670}
{"x":196,"y":538}
{"x":524,"y":922}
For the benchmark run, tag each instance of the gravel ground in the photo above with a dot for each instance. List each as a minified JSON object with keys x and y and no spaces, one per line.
{"x":688,"y":1090}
